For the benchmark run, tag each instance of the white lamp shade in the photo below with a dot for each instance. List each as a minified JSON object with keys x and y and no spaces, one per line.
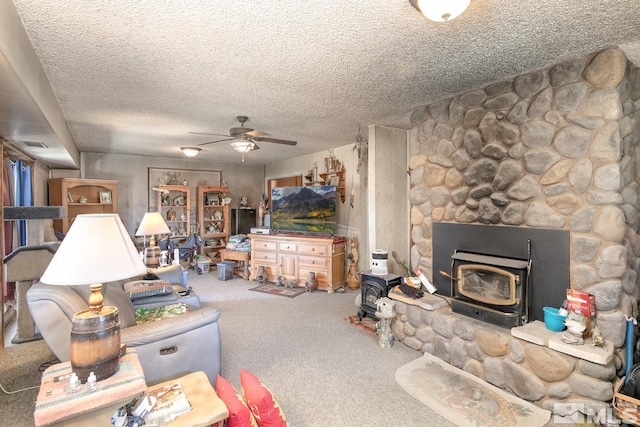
{"x":441,"y":10}
{"x":152,"y":223}
{"x":97,"y":249}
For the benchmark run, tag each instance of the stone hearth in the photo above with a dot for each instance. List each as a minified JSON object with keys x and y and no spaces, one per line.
{"x":557,"y":149}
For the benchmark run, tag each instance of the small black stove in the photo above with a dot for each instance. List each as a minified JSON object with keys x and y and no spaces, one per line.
{"x":372,"y":288}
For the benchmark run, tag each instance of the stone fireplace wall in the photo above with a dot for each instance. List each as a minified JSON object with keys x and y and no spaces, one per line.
{"x":557,"y":148}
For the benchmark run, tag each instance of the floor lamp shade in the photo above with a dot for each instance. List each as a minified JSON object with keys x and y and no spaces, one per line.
{"x":97,"y":249}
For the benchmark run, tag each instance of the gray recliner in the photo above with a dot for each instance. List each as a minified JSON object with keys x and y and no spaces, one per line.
{"x":195,"y":336}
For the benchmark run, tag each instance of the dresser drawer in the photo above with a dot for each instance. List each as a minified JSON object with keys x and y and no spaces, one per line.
{"x":288,"y":247}
{"x":264,"y":246}
{"x":310,"y":249}
{"x":311,"y":262}
{"x":264,"y":257}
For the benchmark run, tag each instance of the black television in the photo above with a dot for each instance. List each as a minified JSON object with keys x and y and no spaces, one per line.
{"x":307,"y":210}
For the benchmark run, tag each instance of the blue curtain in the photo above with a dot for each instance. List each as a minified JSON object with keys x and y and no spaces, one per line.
{"x":23,"y":194}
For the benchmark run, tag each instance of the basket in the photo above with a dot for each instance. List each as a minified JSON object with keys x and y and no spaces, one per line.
{"x":225,"y":270}
{"x":204,"y":263}
{"x":626,"y":407}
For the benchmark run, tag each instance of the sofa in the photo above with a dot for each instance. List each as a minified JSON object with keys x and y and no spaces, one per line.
{"x":167,"y":348}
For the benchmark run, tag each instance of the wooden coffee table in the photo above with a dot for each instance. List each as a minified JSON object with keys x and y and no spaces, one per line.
{"x":242,"y":257}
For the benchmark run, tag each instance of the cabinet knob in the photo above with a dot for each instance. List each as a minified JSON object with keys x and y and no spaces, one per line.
{"x":313,"y":262}
{"x":313,"y":249}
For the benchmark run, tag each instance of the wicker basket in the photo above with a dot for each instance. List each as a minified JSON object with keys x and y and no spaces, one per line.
{"x":626,"y":407}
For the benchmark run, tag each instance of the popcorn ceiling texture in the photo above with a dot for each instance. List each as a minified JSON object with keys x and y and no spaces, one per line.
{"x":556,"y":148}
{"x":134,"y":77}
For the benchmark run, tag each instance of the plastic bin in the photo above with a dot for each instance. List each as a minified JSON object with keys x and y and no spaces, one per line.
{"x":203,"y":264}
{"x":225,"y":270}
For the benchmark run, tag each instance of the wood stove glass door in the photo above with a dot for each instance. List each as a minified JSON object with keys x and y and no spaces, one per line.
{"x":487,"y":284}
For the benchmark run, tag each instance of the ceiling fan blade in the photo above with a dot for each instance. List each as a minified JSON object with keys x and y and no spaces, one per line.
{"x":220,"y":140}
{"x":255,"y":134}
{"x":204,"y":133}
{"x":276,"y":141}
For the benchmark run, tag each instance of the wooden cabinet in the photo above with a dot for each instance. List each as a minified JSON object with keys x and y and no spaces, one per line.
{"x":213,"y":220}
{"x":294,"y":257}
{"x":175,"y":208}
{"x":82,"y":196}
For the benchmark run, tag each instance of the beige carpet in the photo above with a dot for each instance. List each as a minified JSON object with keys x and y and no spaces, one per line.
{"x":464,"y":398}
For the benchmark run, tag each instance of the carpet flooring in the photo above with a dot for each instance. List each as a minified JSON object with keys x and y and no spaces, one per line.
{"x":322,"y":369}
{"x":21,"y":366}
{"x":465,"y":399}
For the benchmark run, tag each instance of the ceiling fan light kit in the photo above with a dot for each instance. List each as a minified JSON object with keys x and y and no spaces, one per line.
{"x":243,"y":138}
{"x":243,"y":146}
{"x":440,"y":10}
{"x":190,"y":151}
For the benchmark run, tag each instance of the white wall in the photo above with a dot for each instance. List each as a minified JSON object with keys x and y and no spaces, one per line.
{"x":131,"y":174}
{"x":387,"y":194}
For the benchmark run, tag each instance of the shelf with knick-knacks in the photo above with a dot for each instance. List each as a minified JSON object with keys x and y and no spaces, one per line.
{"x":334,"y":174}
{"x":336,"y":178}
{"x":174,"y":206}
{"x":213,"y":219}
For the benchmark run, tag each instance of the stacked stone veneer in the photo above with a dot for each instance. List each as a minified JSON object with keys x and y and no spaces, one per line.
{"x":556,"y":148}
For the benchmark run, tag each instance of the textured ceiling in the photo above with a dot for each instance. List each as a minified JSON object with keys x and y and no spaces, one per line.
{"x":136,"y":76}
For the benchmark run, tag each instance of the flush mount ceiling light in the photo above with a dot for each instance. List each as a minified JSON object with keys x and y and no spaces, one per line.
{"x":440,"y":10}
{"x":190,"y":151}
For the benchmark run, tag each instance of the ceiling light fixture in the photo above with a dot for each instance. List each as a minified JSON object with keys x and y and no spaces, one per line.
{"x":190,"y":151}
{"x":440,"y":10}
{"x":243,"y":146}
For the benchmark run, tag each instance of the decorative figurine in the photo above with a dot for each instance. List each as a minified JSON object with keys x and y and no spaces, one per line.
{"x":311,"y":284}
{"x":262,"y":275}
{"x":597,"y":339}
{"x":244,"y":202}
{"x":353,"y":277}
{"x":171,"y":215}
{"x":279,"y":281}
{"x":262,"y":211}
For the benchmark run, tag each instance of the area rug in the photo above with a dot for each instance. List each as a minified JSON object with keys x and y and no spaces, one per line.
{"x":366,"y":323}
{"x":272,"y":289}
{"x":465,"y":399}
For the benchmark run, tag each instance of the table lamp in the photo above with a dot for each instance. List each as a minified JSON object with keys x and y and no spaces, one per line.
{"x":97,"y":249}
{"x":152,"y":224}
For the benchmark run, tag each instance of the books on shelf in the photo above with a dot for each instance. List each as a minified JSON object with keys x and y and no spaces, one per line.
{"x":170,"y":402}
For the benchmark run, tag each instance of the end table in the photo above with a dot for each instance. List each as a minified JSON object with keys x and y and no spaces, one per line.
{"x":57,"y":406}
{"x":242,"y":257}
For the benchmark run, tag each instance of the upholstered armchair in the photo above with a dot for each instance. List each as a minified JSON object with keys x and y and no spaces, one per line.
{"x":167,"y":348}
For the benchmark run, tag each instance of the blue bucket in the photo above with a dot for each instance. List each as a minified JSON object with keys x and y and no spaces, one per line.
{"x":553,"y":320}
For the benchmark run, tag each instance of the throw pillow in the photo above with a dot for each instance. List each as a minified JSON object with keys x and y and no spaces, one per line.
{"x":261,"y":401}
{"x":239,"y":413}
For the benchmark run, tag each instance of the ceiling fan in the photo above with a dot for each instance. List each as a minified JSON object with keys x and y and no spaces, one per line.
{"x":244,"y":138}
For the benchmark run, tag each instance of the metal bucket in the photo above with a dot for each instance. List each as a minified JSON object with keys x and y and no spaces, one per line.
{"x":95,"y":343}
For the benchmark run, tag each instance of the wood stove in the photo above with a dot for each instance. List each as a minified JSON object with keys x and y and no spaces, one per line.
{"x":490,"y":288}
{"x":372,"y":288}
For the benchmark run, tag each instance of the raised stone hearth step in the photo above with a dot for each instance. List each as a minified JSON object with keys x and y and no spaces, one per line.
{"x":428,"y":302}
{"x":536,"y":332}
